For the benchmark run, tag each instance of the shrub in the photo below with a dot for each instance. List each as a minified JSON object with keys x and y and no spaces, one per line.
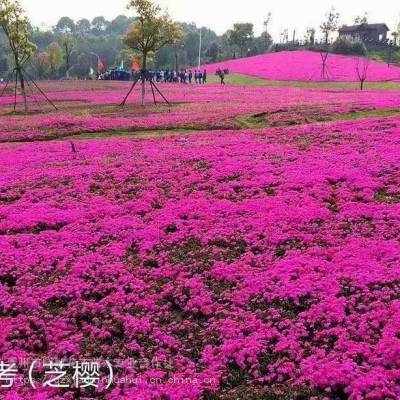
{"x":344,"y":46}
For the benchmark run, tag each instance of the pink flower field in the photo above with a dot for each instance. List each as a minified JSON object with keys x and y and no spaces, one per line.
{"x":208,"y":107}
{"x":305,"y":66}
{"x":253,"y":254}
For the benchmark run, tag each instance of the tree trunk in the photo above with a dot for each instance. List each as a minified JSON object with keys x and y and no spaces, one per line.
{"x":362,"y":84}
{"x":21,"y":78}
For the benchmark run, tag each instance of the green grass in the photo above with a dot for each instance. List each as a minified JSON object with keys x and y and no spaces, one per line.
{"x":125,"y":134}
{"x":245,"y":80}
{"x":253,"y":121}
{"x":247,"y":122}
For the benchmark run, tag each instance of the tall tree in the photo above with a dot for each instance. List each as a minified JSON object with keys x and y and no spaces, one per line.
{"x":330,"y":25}
{"x":119,"y":25}
{"x":16,"y":28}
{"x":41,"y":64}
{"x":151,"y":31}
{"x":310,"y":36}
{"x":265,"y":35}
{"x":68,"y":44}
{"x":55,"y":55}
{"x":213,"y":52}
{"x":99,"y":24}
{"x":241,"y":36}
{"x":83,"y":26}
{"x":361,"y":19}
{"x":65,"y":25}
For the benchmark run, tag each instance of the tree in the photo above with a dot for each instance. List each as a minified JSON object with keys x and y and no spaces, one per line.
{"x":81,"y":68}
{"x":266,"y":37}
{"x":213,"y":52}
{"x":361,"y":19}
{"x":68,"y":44}
{"x":126,"y":56}
{"x":16,"y":28}
{"x":83,"y":26}
{"x":151,"y":31}
{"x":65,"y":25}
{"x":119,"y":25}
{"x":324,"y":53}
{"x":285,"y":36}
{"x":55,"y":55}
{"x":42,"y":39}
{"x":330,"y":25}
{"x":41,"y":64}
{"x":241,"y":36}
{"x":310,"y":36}
{"x":362,"y":66}
{"x":395,"y":37}
{"x":99,"y":24}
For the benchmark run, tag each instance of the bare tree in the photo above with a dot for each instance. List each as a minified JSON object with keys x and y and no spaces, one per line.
{"x":324,"y":67}
{"x":330,"y":25}
{"x":362,"y":66}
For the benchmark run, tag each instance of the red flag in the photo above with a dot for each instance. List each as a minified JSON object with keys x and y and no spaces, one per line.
{"x":135,"y":64}
{"x":100,"y":66}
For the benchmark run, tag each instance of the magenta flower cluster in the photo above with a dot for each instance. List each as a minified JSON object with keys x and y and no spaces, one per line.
{"x":207,"y":107}
{"x":306,"y":66}
{"x":235,"y":259}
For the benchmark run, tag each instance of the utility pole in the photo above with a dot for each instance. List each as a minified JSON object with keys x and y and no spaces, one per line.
{"x":200,"y":45}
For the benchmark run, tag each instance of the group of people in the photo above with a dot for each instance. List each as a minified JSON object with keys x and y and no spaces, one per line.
{"x":183,"y":76}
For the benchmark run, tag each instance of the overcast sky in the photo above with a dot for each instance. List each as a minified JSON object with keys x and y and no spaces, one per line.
{"x":219,"y":15}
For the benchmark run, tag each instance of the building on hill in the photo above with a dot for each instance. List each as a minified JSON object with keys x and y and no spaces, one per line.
{"x":372,"y":33}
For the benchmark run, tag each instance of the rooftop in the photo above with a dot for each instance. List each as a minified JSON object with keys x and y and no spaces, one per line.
{"x":363,"y":27}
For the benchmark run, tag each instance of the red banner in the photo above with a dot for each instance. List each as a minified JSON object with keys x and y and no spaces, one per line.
{"x":135,"y":64}
{"x":100,"y":66}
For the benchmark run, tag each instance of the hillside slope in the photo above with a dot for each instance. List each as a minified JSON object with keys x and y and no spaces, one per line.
{"x":305,"y":66}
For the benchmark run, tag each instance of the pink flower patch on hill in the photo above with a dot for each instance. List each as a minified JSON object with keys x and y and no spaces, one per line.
{"x":305,"y":66}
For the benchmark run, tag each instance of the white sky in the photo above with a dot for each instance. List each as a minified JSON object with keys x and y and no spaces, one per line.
{"x":219,"y":15}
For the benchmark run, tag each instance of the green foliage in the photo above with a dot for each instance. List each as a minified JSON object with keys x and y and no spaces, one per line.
{"x":41,"y":64}
{"x":67,"y":44}
{"x":241,"y":36}
{"x":65,"y":25}
{"x":99,"y":24}
{"x":16,"y":28}
{"x":104,"y":38}
{"x":55,"y":57}
{"x":344,"y":46}
{"x":152,"y":29}
{"x":83,"y":26}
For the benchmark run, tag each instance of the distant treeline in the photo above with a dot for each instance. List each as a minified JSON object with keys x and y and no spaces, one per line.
{"x":76,"y":48}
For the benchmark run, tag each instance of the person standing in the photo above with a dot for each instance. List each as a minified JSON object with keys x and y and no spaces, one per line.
{"x":200,"y":77}
{"x":205,"y":76}
{"x":190,"y":76}
{"x":221,"y":75}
